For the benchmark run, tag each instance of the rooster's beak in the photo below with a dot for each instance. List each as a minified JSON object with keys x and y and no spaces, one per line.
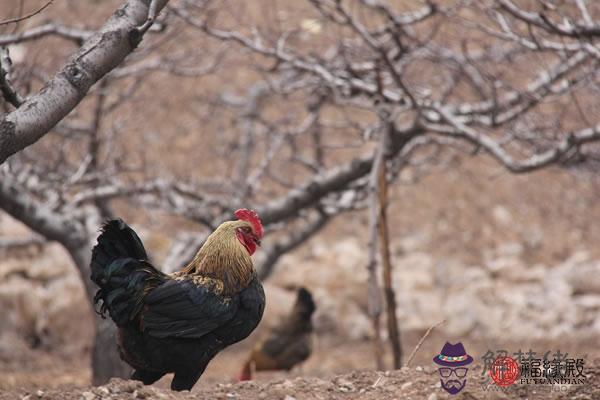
{"x":257,"y":241}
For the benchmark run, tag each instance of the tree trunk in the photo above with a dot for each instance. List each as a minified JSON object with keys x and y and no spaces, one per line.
{"x":76,"y":239}
{"x":106,"y":362}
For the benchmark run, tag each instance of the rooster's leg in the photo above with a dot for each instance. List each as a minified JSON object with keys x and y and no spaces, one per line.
{"x":185,"y":380}
{"x":147,"y":377}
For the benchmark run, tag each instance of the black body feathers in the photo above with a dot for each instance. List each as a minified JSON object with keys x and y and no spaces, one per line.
{"x":120,"y":268}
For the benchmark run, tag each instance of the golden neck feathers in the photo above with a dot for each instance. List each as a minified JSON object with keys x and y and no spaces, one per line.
{"x":223,"y":257}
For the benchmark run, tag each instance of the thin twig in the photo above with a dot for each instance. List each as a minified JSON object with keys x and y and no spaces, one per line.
{"x":15,"y":20}
{"x":418,"y":346}
{"x":378,"y":381}
{"x":152,"y":11}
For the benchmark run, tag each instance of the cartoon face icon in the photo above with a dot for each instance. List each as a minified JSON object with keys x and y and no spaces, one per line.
{"x":453,"y":373}
{"x":453,"y":379}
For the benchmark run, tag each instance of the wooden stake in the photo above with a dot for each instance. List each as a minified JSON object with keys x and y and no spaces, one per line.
{"x":384,"y":243}
{"x":373,"y":289}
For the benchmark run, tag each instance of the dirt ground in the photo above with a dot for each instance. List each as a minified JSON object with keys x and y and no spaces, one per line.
{"x":406,"y":383}
{"x":336,"y":370}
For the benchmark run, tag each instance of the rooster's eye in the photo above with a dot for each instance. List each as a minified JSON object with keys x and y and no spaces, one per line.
{"x":246,"y":229}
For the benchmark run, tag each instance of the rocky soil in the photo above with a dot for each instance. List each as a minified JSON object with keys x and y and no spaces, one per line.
{"x":407,"y":383}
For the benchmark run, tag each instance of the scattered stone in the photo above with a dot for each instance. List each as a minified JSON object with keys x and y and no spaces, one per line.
{"x":39,"y":393}
{"x":126,"y":386}
{"x":88,"y":396}
{"x":502,"y":215}
{"x":406,"y":385}
{"x":432,"y":396}
{"x":287,"y":383}
{"x":143,"y":393}
{"x":344,"y":385}
{"x":147,"y":391}
{"x":247,"y":384}
{"x":101,"y":391}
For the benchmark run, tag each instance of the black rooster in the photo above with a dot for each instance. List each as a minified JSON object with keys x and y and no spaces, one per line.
{"x":179,"y":322}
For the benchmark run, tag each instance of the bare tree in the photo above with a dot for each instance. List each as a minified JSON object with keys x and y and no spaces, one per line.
{"x":29,"y":200}
{"x":465,"y":76}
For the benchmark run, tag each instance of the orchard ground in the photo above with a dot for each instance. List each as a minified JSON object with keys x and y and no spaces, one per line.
{"x":42,"y":375}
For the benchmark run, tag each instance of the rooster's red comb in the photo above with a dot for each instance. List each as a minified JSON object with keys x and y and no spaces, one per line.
{"x":252,"y":217}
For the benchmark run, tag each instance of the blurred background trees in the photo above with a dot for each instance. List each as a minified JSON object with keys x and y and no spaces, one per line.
{"x":280,"y":106}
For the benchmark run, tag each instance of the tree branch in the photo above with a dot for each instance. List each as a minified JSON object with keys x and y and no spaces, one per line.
{"x":76,"y":35}
{"x":572,"y":140}
{"x":10,"y":244}
{"x":15,"y":20}
{"x":542,"y":21}
{"x":335,"y":179}
{"x":289,"y":243}
{"x":99,"y":55}
{"x":37,"y":216}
